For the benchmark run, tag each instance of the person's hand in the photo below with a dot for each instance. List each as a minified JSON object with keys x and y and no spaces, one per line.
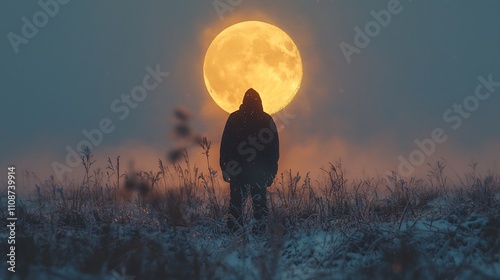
{"x":270,"y":180}
{"x":226,"y":177}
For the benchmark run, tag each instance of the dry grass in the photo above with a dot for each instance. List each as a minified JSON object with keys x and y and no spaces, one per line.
{"x":144,"y":221}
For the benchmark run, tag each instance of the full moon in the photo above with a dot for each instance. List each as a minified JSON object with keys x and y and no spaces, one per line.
{"x":252,"y":54}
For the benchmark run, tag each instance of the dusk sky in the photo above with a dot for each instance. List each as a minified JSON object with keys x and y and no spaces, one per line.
{"x":433,"y":69}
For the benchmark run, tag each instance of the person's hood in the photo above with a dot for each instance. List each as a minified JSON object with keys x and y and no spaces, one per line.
{"x":252,"y":101}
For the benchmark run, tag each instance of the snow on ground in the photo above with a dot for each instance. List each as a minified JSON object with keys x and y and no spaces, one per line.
{"x":420,"y":249}
{"x":93,"y":235}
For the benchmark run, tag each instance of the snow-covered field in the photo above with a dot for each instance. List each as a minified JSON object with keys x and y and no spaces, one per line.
{"x":330,"y":229}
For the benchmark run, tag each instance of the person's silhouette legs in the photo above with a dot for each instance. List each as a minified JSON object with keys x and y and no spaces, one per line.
{"x":260,"y":210}
{"x":239,"y":192}
{"x":238,"y":195}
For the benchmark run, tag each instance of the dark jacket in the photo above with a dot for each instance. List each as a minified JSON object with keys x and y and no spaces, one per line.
{"x":249,"y":150}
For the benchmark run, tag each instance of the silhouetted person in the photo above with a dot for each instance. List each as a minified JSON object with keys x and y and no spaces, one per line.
{"x":249,"y":156}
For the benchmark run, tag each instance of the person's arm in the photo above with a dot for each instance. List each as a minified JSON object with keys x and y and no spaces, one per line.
{"x":274,"y":150}
{"x":225,"y":145}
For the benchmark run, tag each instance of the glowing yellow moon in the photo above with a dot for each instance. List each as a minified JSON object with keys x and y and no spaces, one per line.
{"x":252,"y":54}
